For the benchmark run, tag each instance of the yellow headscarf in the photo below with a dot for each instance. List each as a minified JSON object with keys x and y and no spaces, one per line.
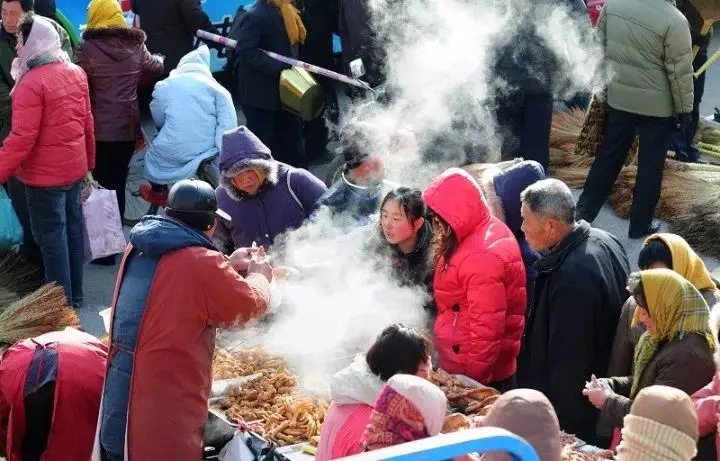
{"x":685,"y":261}
{"x":105,"y":13}
{"x":293,"y":23}
{"x":677,"y":308}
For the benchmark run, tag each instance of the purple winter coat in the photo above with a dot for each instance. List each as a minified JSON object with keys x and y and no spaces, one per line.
{"x":288,"y":196}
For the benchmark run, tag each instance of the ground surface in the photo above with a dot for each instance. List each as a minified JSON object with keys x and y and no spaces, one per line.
{"x":99,"y":281}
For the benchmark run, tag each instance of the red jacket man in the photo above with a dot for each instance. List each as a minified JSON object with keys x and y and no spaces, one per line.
{"x":50,"y":395}
{"x":479,"y":283}
{"x":173,"y":289}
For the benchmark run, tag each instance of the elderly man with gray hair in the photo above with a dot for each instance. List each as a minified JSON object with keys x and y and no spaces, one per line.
{"x":579,"y":293}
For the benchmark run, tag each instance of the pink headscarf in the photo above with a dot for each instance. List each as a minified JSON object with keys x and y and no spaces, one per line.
{"x":43,"y":43}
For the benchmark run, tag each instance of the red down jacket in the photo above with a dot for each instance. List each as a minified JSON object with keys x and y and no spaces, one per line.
{"x":480,"y":291}
{"x":52,"y":142}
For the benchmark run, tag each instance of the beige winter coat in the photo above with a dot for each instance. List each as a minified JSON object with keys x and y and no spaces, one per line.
{"x":649,"y":57}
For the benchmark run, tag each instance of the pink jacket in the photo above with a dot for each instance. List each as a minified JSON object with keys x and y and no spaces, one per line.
{"x":353,"y":390}
{"x":707,"y":405}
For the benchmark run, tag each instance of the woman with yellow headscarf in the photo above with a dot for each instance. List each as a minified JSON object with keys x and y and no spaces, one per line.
{"x":115,"y":59}
{"x":676,"y":350}
{"x":667,"y":251}
{"x":270,"y":25}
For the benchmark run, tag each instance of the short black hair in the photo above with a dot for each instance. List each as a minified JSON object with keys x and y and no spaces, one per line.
{"x":26,"y":26}
{"x":398,"y":349}
{"x":26,"y":5}
{"x":655,"y":251}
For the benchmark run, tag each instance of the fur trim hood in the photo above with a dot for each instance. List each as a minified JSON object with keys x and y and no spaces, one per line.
{"x":130,"y":34}
{"x":242,"y":150}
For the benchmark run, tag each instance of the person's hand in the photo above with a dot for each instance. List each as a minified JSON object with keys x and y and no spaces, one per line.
{"x":240,"y":259}
{"x":683,"y":121}
{"x":261,"y":265}
{"x":597,"y":392}
{"x":285,"y":272}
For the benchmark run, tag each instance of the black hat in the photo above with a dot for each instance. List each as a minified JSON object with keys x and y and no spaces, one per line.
{"x":358,"y":141}
{"x":193,"y":202}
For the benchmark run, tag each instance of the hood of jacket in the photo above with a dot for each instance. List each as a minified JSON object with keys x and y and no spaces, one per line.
{"x":456,"y":197}
{"x":355,"y":384}
{"x":242,"y":150}
{"x":198,"y":60}
{"x":510,"y":184}
{"x":157,"y":235}
{"x":117,"y":43}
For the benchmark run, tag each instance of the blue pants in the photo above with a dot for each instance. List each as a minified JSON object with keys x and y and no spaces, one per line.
{"x":57,"y":224}
{"x":279,"y":130}
{"x":29,"y":249}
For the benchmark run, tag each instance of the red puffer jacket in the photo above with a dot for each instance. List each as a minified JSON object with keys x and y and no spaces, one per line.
{"x":480,"y":290}
{"x":52,"y":142}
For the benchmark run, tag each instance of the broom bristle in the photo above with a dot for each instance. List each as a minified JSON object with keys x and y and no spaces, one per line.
{"x":17,"y":276}
{"x":40,"y":312}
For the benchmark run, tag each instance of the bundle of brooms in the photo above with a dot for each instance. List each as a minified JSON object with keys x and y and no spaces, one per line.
{"x":37,"y":313}
{"x":690,"y":192}
{"x":17,"y":277}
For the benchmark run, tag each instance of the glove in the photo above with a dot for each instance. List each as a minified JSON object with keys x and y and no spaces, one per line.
{"x":683,"y":121}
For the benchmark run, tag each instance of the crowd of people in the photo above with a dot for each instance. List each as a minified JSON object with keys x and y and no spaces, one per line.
{"x":526,"y":296}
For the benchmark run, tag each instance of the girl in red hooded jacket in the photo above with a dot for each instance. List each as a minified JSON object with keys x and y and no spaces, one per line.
{"x":479,"y":283}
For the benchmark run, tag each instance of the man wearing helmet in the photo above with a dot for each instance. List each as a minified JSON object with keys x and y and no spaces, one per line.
{"x":173,"y":289}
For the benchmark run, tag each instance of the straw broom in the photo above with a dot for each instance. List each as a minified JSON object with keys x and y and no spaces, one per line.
{"x":40,"y":312}
{"x":16,"y":275}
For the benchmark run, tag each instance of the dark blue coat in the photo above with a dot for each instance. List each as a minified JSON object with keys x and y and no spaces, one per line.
{"x":258,"y":74}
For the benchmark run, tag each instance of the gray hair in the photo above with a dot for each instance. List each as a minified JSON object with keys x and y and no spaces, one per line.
{"x":550,"y":198}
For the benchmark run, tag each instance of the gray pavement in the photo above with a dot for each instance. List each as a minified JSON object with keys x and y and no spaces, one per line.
{"x":100,"y":281}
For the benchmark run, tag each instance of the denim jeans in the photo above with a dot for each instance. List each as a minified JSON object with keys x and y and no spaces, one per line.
{"x":57,"y":224}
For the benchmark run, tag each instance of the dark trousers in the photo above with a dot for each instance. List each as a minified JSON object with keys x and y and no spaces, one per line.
{"x":620,"y":129}
{"x":525,"y":121}
{"x":57,"y":223}
{"x":683,"y":143}
{"x":281,"y":131}
{"x":29,"y":249}
{"x":111,"y":167}
{"x":504,"y":385}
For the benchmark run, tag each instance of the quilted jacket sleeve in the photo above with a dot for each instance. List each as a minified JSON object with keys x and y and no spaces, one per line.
{"x":226,"y":115}
{"x":481,"y":276}
{"x":308,"y":188}
{"x":27,"y":110}
{"x":707,"y":405}
{"x":678,"y":64}
{"x":89,"y":130}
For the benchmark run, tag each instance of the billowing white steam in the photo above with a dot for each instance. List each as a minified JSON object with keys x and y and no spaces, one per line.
{"x":441,"y":56}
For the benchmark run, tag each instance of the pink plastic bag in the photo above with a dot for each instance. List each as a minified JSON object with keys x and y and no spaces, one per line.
{"x":103,"y":227}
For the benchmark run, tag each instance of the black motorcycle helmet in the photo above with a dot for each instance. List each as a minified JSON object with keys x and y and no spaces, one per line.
{"x":358,"y":141}
{"x":193,"y":202}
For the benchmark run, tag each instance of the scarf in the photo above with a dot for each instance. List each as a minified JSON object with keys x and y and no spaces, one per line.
{"x":686,"y":262}
{"x":293,"y":23}
{"x":677,"y":308}
{"x":103,"y":14}
{"x":41,"y":47}
{"x":644,"y":439}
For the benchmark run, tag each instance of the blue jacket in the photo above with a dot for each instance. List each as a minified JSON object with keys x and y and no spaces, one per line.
{"x":508,"y":187}
{"x":356,"y":206}
{"x":192,"y":111}
{"x":258,"y":82}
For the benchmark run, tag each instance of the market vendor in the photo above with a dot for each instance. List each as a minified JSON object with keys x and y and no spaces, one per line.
{"x":357,"y":194}
{"x":675,"y":351}
{"x":398,"y":349}
{"x":479,"y":283}
{"x":50,"y":388}
{"x":174,"y":288}
{"x":262,"y":196}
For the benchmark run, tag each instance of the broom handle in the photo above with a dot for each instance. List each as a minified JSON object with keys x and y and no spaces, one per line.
{"x":705,"y":66}
{"x":707,"y":25}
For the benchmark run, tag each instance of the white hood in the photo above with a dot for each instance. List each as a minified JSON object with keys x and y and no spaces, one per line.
{"x":355,"y":384}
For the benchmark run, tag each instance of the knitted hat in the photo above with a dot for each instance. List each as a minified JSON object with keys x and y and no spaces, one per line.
{"x":662,"y":426}
{"x":530,"y":415}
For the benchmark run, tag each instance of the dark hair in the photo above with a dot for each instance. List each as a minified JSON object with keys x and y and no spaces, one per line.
{"x":398,"y":349}
{"x":26,"y":5}
{"x":26,"y":26}
{"x":410,"y":201}
{"x":444,"y":240}
{"x":655,"y":251}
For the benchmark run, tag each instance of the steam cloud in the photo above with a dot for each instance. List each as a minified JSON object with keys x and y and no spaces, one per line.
{"x":441,"y":56}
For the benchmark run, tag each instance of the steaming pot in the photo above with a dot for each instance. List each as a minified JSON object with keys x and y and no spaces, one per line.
{"x":301,"y":94}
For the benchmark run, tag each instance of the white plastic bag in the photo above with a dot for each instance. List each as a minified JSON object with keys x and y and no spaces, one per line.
{"x":103,"y":227}
{"x":236,"y":450}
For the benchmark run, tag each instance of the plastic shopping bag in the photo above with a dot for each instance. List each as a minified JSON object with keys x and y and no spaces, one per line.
{"x":11,"y":231}
{"x":103,"y":227}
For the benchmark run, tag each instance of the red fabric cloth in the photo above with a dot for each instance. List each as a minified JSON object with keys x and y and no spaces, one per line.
{"x":343,"y":430}
{"x":594,"y":7}
{"x":480,"y":292}
{"x":707,"y":405}
{"x":194,"y":291}
{"x":52,"y":142}
{"x":81,"y":370}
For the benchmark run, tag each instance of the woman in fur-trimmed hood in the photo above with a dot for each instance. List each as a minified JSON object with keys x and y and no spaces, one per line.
{"x":264,"y":197}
